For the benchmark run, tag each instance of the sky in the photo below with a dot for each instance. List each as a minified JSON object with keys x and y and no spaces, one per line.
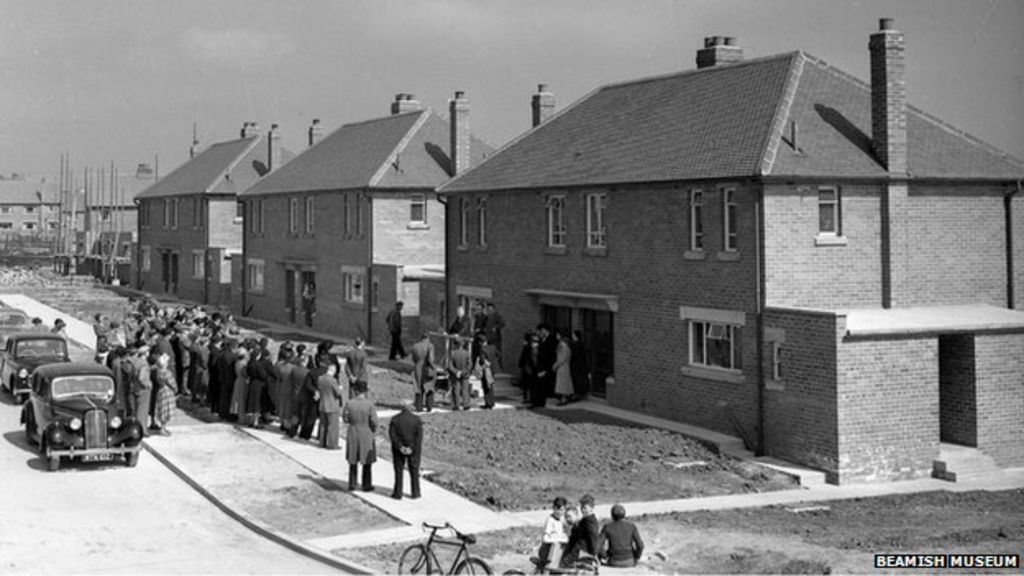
{"x":124,"y":81}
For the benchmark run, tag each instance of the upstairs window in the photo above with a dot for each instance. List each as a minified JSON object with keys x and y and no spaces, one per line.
{"x":174,"y":213}
{"x":596,"y":230}
{"x":293,"y":216}
{"x":481,"y":221}
{"x":310,"y":213}
{"x":347,"y":213}
{"x":463,"y":222}
{"x":729,"y":237}
{"x":829,"y":212}
{"x":360,"y":224}
{"x":418,"y":209}
{"x":696,"y":220}
{"x":556,"y":221}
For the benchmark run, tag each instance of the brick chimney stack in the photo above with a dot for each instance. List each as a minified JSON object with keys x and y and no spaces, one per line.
{"x":543,"y":104}
{"x":316,"y":132}
{"x":719,"y":51}
{"x":249,"y":129}
{"x":194,"y":149}
{"x":274,"y":156}
{"x":888,"y":97}
{"x":458,"y":114}
{"x":404,"y":103}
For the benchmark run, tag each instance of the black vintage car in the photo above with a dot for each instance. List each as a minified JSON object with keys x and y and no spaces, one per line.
{"x":12,"y":320}
{"x":23,"y":353}
{"x":72,"y":413}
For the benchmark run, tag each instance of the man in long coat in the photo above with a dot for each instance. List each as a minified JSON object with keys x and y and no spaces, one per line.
{"x":330,"y":396}
{"x":394,"y":322}
{"x":406,"y":434}
{"x":356,"y":364}
{"x":361,"y":449}
{"x":460,"y":364}
{"x":423,"y":372}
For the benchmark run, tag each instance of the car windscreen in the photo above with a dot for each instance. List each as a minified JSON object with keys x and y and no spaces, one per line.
{"x":12,"y":319}
{"x":42,"y":347}
{"x":90,"y":385}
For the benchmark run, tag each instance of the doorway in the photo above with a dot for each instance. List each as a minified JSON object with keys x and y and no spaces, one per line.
{"x":308,"y":281}
{"x":289,"y":294}
{"x":597,"y":334}
{"x":958,"y":397}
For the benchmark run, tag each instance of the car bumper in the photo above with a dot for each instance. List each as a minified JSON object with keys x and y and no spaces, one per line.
{"x":95,"y":452}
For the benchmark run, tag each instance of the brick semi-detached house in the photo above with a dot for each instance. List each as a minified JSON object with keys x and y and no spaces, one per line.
{"x":352,"y":224}
{"x":189,"y":224}
{"x":773,"y":249}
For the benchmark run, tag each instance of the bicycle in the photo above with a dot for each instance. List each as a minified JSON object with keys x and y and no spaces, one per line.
{"x":420,"y":558}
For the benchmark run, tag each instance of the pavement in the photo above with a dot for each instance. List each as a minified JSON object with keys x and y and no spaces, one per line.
{"x":185,"y":452}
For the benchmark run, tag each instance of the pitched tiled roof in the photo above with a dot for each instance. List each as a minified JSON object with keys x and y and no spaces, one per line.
{"x":726,"y":122}
{"x":223,"y":168}
{"x":408,"y":150}
{"x":23,"y":191}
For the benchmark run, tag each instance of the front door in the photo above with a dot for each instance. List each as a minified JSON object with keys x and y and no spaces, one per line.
{"x":174,"y":273}
{"x":165,"y":270}
{"x":308,"y":280}
{"x":289,"y":294}
{"x":598,"y":339}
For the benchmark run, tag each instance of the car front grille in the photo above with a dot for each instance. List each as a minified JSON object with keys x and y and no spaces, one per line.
{"x":95,"y":426}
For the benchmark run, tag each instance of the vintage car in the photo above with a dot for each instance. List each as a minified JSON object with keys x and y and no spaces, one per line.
{"x":72,"y":413}
{"x":23,"y":353}
{"x":12,"y":320}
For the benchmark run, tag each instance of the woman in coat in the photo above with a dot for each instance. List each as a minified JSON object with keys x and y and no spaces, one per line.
{"x":167,"y":392}
{"x":239,"y":393}
{"x":563,"y":372}
{"x":360,"y":444}
{"x":284,"y":397}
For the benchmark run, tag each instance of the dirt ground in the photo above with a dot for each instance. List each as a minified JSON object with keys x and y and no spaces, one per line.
{"x":830,"y":537}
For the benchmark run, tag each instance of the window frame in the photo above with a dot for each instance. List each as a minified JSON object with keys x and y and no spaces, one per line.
{"x":597,"y":237}
{"x":730,"y":219}
{"x":145,"y":258}
{"x":199,"y":264}
{"x":481,"y":221}
{"x":310,"y":220}
{"x":777,"y":366}
{"x":360,"y":216}
{"x":351,"y":278}
{"x":696,"y":220}
{"x":255,"y":269}
{"x":347,"y":213}
{"x":463,"y":222}
{"x":174,"y":213}
{"x":557,"y":231}
{"x":419,"y":200}
{"x":704,"y":329}
{"x":836,"y":204}
{"x":293,"y":216}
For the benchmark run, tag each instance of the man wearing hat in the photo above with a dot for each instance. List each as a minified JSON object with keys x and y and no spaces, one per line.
{"x":141,"y":386}
{"x":406,"y":433}
{"x":423,"y":372}
{"x":460,"y":364}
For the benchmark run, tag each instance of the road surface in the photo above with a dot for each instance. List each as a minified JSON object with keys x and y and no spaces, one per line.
{"x":102,"y":518}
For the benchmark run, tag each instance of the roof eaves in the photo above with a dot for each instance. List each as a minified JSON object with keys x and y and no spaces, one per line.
{"x":774,"y":136}
{"x":514,"y":141}
{"x":390,"y":159}
{"x":255,"y":140}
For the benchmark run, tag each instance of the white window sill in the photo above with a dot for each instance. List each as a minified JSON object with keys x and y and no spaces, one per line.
{"x":417,"y":226}
{"x":719,"y":374}
{"x":775,"y":385}
{"x":694,"y":255}
{"x":558,"y":250}
{"x":728,"y":256}
{"x":829,"y":240}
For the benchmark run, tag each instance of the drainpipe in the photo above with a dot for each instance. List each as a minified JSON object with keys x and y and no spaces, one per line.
{"x":759,"y":287}
{"x":1007,"y":208}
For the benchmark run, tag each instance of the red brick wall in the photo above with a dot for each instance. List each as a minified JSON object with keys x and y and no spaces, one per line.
{"x":958,"y":404}
{"x":1000,"y":385}
{"x":888,"y":401}
{"x":644,"y":266}
{"x":800,"y":408}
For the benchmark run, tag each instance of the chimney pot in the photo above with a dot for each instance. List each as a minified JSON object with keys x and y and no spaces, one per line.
{"x":404,"y":102}
{"x":274,"y":152}
{"x":730,"y":40}
{"x":542,"y":105}
{"x":316,"y":133}
{"x":719,"y":50}
{"x":458,"y":117}
{"x":885,"y":24}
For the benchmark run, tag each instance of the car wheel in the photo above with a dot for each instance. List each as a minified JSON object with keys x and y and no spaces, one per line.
{"x":30,"y":428}
{"x":131,"y":459}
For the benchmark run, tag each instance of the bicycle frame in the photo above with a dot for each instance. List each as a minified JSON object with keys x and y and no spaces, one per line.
{"x":452,"y":542}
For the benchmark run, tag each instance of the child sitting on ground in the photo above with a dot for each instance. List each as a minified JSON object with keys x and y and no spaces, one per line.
{"x":555,"y":536}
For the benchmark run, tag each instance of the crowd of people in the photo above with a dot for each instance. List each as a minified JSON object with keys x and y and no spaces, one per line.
{"x":553,"y":363}
{"x":570,"y":535}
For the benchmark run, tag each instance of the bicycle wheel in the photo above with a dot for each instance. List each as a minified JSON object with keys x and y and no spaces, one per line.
{"x":473,"y":566}
{"x":414,"y":560}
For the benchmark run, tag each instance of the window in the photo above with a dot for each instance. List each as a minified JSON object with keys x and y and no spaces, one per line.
{"x":829,"y":213}
{"x":714,"y":345}
{"x":596,"y":230}
{"x":310,"y":214}
{"x":105,"y":214}
{"x":145,"y":258}
{"x":240,"y":211}
{"x":360,"y":225}
{"x":174,"y":213}
{"x":418,"y":209}
{"x":6,"y":225}
{"x":256,"y":216}
{"x":347,"y":213}
{"x":352,"y":284}
{"x":375,"y":292}
{"x":556,"y":221}
{"x":198,"y":264}
{"x":167,"y":212}
{"x":30,"y":209}
{"x":481,"y":221}
{"x":696,"y":220}
{"x":293,"y":215}
{"x":28,"y":225}
{"x":729,"y":239}
{"x":776,"y":361}
{"x":197,"y":212}
{"x":255,"y":275}
{"x":463,"y":222}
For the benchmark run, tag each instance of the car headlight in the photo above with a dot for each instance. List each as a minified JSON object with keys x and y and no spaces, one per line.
{"x":75,"y":424}
{"x":115,"y":422}
{"x":23,"y":373}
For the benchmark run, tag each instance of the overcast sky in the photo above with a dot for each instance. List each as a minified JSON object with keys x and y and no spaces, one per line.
{"x":124,"y":81}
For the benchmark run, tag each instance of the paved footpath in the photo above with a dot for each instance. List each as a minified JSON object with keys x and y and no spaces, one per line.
{"x":439,"y":505}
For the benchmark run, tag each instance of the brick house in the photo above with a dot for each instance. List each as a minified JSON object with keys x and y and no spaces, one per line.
{"x":189,"y":223}
{"x":769,"y":248}
{"x":353,"y":223}
{"x":29,"y":207}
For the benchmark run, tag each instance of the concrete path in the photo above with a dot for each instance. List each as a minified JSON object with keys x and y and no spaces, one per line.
{"x":77,"y":330}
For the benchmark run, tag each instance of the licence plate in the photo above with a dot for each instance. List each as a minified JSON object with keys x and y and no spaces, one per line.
{"x":97,"y":457}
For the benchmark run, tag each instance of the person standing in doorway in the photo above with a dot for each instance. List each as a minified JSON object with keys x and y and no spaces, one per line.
{"x":360,"y":444}
{"x":423,"y":372}
{"x":406,"y":434}
{"x":394,"y":321}
{"x":563,"y":374}
{"x":547,"y":353}
{"x":495,"y":326}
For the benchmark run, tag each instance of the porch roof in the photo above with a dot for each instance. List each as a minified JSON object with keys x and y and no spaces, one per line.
{"x":966,"y":318}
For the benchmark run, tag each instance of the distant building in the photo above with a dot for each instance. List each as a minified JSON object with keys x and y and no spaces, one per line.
{"x":335,"y":237}
{"x":29,"y":206}
{"x":769,"y":248}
